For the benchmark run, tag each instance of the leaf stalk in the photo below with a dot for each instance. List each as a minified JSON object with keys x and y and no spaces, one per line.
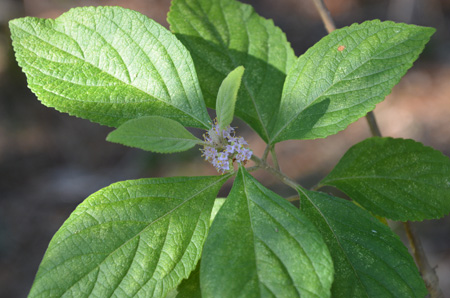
{"x":280,"y":175}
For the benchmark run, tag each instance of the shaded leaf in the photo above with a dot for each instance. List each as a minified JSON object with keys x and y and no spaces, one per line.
{"x":190,"y":288}
{"x":369,"y":259}
{"x":395,"y":178}
{"x":108,"y":65}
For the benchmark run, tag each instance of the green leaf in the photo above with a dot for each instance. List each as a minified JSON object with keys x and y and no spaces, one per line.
{"x":224,"y":34}
{"x":154,"y":133}
{"x":395,"y":178}
{"x":218,"y":203}
{"x":190,"y":288}
{"x":260,"y":245}
{"x":226,"y":98}
{"x":109,"y":65}
{"x":369,"y":259}
{"x":136,"y":238}
{"x":344,"y":76}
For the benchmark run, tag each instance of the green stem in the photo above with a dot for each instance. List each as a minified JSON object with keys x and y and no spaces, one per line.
{"x":325,"y":15}
{"x":266,"y":152}
{"x":373,"y":125}
{"x":252,"y":169}
{"x":278,"y":174}
{"x":293,"y":198}
{"x":316,"y":187}
{"x":274,"y":158}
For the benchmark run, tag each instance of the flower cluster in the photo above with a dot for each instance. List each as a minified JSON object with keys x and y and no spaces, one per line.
{"x":223,"y":147}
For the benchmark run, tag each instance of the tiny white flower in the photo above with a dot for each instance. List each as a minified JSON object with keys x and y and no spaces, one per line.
{"x":222,"y":147}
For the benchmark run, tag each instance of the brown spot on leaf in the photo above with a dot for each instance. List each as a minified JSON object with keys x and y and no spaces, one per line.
{"x":341,"y":48}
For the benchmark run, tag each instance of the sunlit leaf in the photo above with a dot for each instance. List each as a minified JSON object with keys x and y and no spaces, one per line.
{"x":226,"y":98}
{"x":154,"y":133}
{"x":344,"y":75}
{"x":136,"y":238}
{"x":108,"y":65}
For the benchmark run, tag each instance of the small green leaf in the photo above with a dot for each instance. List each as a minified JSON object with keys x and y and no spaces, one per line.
{"x":136,"y":238}
{"x":224,"y":34}
{"x":344,"y":75}
{"x":369,"y":259}
{"x":154,"y":133}
{"x":109,"y":65}
{"x":226,"y":98}
{"x":260,"y":245}
{"x":395,"y":178}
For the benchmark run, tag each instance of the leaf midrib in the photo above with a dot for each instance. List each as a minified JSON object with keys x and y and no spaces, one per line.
{"x":197,"y":141}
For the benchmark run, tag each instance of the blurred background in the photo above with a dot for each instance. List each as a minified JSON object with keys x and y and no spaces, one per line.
{"x":50,"y":162}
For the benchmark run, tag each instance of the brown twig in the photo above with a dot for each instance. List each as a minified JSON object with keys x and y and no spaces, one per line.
{"x":325,"y":15}
{"x":428,"y":273}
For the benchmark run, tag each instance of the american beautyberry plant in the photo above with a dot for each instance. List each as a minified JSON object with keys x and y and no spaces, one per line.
{"x":155,"y":237}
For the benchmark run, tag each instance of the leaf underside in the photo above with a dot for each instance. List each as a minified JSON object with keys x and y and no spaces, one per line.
{"x":108,"y":65}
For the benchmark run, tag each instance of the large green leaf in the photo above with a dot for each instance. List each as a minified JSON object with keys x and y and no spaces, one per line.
{"x":136,"y":238}
{"x":369,"y":259}
{"x":260,"y":245}
{"x":344,"y":75}
{"x":224,"y":34}
{"x":109,"y":65}
{"x":395,"y":178}
{"x":154,"y":133}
